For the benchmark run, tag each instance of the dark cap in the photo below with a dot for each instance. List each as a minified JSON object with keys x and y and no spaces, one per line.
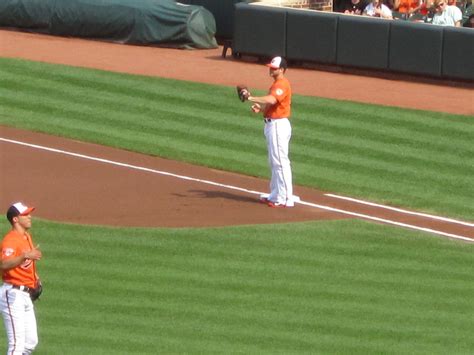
{"x":18,"y":209}
{"x":277,"y":63}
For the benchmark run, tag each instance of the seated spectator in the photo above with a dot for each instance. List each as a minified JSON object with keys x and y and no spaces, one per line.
{"x":446,"y":15}
{"x":356,"y":7}
{"x":407,"y":7}
{"x":377,"y":9}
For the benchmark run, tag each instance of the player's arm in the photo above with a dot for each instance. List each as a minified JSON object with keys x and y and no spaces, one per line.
{"x":11,"y":263}
{"x":263,"y":100}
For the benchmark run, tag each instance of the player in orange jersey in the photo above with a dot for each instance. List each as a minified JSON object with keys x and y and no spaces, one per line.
{"x":276,"y":109}
{"x":18,"y":265}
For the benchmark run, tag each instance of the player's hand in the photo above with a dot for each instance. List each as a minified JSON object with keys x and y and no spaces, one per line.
{"x":256,"y":108}
{"x":33,"y":254}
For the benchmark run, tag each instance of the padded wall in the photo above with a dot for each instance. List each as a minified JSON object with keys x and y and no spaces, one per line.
{"x":260,"y":30}
{"x":354,"y":41}
{"x":458,"y":53}
{"x":363,"y":42}
{"x":311,"y":36}
{"x":416,"y":48}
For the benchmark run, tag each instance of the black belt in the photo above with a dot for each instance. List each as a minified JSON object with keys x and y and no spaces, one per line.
{"x":268,"y":120}
{"x":23,"y":288}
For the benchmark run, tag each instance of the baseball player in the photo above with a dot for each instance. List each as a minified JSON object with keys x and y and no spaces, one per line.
{"x":21,"y":284}
{"x":276,"y":109}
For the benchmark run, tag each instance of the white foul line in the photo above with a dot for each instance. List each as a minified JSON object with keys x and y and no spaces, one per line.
{"x":401,"y":210}
{"x":388,"y":221}
{"x":208,"y":182}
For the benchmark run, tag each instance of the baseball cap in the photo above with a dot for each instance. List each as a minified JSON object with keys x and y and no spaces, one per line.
{"x":277,"y":63}
{"x":18,"y":209}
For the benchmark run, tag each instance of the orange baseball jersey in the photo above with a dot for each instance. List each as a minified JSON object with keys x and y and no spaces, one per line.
{"x":15,"y":244}
{"x":281,"y":91}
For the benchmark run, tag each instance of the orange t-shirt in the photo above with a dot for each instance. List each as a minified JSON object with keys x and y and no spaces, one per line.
{"x":15,"y":244}
{"x":406,"y":5}
{"x":281,"y":91}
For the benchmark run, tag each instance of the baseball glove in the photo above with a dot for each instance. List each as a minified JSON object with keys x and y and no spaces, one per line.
{"x":36,"y":292}
{"x":243,"y":93}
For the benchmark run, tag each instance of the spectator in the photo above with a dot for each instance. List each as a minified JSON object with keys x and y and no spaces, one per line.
{"x":407,"y":7}
{"x":446,"y":15}
{"x":355,"y":7}
{"x":377,"y":9}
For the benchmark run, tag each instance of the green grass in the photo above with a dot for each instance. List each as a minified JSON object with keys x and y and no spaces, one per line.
{"x":324,"y":287}
{"x":415,"y":159}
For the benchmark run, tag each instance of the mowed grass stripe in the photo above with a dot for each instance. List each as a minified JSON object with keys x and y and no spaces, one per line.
{"x":389,"y":153}
{"x":171,"y":91}
{"x":380,"y":168}
{"x":419,"y":120}
{"x":409,"y":284}
{"x":300,"y":260}
{"x":283,"y":332}
{"x":385,"y":263}
{"x":93,"y":119}
{"x":162,"y":120}
{"x":207,"y":313}
{"x":368,"y":279}
{"x":299,"y":249}
{"x":212,"y":318}
{"x":130,"y":102}
{"x":158,"y":129}
{"x":153,"y":126}
{"x":328,"y":302}
{"x":127,"y":85}
{"x":416,"y":133}
{"x":310,"y":287}
{"x":378,"y":162}
{"x":164,"y":144}
{"x":403,"y":136}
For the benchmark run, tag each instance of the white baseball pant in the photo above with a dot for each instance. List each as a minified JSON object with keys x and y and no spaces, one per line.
{"x":19,"y":319}
{"x":278,"y":135}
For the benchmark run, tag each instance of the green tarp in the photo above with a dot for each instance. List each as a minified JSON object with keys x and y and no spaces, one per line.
{"x":161,"y":22}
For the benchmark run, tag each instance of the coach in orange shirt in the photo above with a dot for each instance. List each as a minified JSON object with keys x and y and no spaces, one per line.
{"x":20,"y":280}
{"x":276,"y":109}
